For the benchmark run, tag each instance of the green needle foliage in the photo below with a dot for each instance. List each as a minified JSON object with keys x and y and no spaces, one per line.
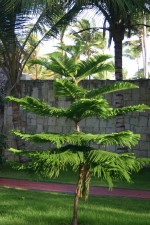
{"x":77,"y":149}
{"x":124,"y":138}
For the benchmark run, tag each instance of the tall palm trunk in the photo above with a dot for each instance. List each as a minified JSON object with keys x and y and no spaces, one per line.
{"x":144,"y":49}
{"x":13,"y":70}
{"x":16,"y":118}
{"x":118,"y":59}
{"x":13,"y":120}
{"x":118,"y":36}
{"x":2,"y":95}
{"x":1,"y":117}
{"x":1,"y":132}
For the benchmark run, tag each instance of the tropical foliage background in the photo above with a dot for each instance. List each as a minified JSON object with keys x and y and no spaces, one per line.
{"x":20,"y":22}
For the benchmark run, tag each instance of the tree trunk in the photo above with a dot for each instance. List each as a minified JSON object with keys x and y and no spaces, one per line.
{"x":12,"y":120}
{"x":2,"y":138}
{"x":3,"y":80}
{"x":17,"y":120}
{"x":75,"y":210}
{"x":118,"y":59}
{"x":1,"y":117}
{"x":145,"y":60}
{"x":78,"y":195}
{"x":118,"y":36}
{"x":117,"y":33}
{"x":2,"y":96}
{"x":77,"y":127}
{"x":82,"y":189}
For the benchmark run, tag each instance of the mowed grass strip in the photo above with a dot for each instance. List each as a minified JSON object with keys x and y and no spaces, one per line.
{"x":141,"y":180}
{"x":22,"y":207}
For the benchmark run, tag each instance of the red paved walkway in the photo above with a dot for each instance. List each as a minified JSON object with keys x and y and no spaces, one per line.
{"x":70,"y":188}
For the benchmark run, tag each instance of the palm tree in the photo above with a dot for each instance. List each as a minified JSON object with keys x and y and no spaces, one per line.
{"x":33,"y":39}
{"x":118,"y":14}
{"x":14,"y":53}
{"x":119,"y":17}
{"x":142,"y":31}
{"x":90,"y":38}
{"x":89,"y":35}
{"x":139,"y":74}
{"x":15,"y":18}
{"x":133,"y":50}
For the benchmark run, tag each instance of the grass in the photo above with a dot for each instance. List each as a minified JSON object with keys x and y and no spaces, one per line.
{"x":140,"y":180}
{"x":22,"y":207}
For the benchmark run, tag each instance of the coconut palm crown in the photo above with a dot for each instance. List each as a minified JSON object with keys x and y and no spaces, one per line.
{"x":77,"y":149}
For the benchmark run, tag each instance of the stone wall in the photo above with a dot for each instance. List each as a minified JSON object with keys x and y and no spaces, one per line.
{"x":136,"y":122}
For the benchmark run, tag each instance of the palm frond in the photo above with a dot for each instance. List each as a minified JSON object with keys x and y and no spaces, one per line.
{"x":42,"y":62}
{"x":14,"y":24}
{"x":50,"y":23}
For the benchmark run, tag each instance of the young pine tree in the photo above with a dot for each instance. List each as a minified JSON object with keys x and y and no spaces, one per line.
{"x":76,"y":149}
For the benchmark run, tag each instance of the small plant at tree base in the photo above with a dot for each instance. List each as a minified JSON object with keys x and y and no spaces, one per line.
{"x":76,"y":148}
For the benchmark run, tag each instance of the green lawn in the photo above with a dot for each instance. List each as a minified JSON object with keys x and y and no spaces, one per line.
{"x":140,"y":180}
{"x":22,"y":207}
